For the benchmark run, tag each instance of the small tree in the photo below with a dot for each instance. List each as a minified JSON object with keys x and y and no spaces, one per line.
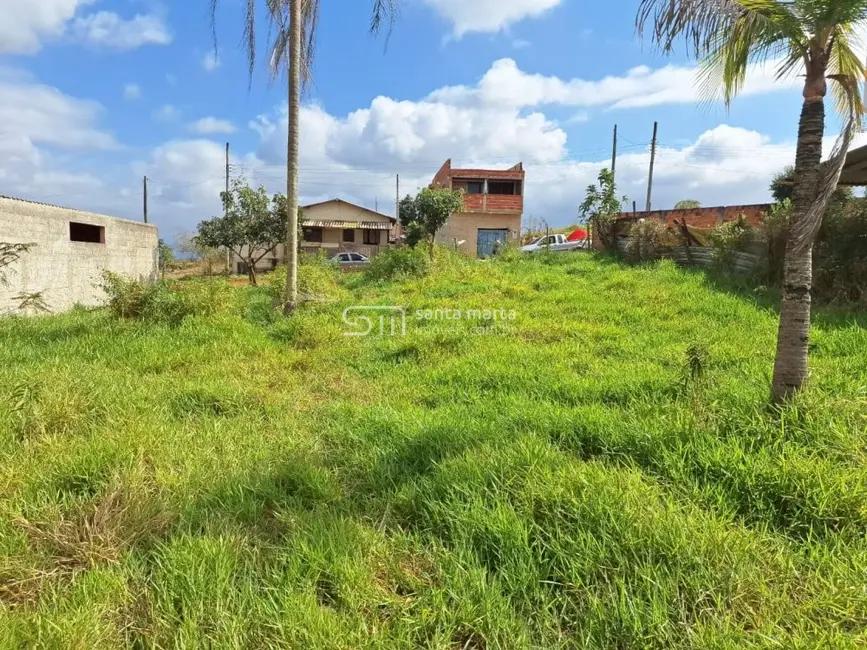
{"x":601,"y":207}
{"x":166,"y":255}
{"x":687,"y":204}
{"x":424,"y":215}
{"x":410,"y":219}
{"x":252,"y":227}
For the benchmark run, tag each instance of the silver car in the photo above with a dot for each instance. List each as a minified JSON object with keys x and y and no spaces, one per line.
{"x":350,"y":259}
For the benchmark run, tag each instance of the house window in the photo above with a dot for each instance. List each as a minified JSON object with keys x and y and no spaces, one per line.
{"x":242,"y":268}
{"x":312,"y":235}
{"x":349,"y":235}
{"x":510,"y":188}
{"x":371,"y":237}
{"x":470,"y":187}
{"x":86,"y":232}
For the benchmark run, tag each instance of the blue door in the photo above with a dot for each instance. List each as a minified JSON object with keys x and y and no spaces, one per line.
{"x":487,"y":237}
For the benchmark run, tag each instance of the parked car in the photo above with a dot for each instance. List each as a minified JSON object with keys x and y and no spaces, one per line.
{"x":555,"y":243}
{"x":349,"y":259}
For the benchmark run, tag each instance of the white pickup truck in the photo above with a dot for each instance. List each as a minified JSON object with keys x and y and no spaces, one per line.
{"x":555,"y":243}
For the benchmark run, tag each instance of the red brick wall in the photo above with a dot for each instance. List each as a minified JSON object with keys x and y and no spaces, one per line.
{"x":473,"y":202}
{"x":443,"y":176}
{"x":493,"y":203}
{"x":705,"y":217}
{"x":497,"y":203}
{"x":506,"y":174}
{"x":504,"y":203}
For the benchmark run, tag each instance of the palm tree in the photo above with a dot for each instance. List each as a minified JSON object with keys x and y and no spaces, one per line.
{"x":812,"y":38}
{"x":293,"y":23}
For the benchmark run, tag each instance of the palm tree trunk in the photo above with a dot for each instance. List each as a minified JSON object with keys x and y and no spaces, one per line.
{"x":290,"y":298}
{"x":790,"y":365}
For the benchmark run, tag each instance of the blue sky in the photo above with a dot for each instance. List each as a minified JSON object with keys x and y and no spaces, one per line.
{"x":94,"y":94}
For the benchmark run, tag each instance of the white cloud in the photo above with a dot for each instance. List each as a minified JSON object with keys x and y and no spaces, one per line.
{"x":35,"y":114}
{"x":356,"y":156}
{"x":166,"y":113}
{"x":106,"y":29}
{"x":211,"y":125}
{"x":211,"y":61}
{"x":131,"y":92}
{"x":488,"y":15}
{"x":504,"y":84}
{"x":26,"y":23}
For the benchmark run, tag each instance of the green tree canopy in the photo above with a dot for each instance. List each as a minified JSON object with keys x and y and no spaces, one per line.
{"x":601,"y":207}
{"x":687,"y":204}
{"x":426,"y":213}
{"x":252,"y":227}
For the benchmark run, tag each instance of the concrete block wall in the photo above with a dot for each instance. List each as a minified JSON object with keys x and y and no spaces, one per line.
{"x":66,"y":271}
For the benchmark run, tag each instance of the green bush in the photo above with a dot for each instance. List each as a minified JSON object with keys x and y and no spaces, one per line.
{"x":731,"y":238}
{"x":399,"y":263}
{"x":317,"y":278}
{"x":164,"y":302}
{"x":646,"y":239}
{"x":840,"y":254}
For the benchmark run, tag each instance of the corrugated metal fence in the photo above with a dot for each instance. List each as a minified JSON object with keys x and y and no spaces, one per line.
{"x":737,"y":261}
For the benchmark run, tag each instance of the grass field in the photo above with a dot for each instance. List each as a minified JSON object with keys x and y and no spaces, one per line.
{"x":601,"y":471}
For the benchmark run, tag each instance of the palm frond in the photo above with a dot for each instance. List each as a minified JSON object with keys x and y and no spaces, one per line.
{"x":756,"y":34}
{"x":278,"y":53}
{"x":846,"y":71}
{"x":803,"y":231}
{"x":702,"y":24}
{"x":249,"y":37}
{"x":383,"y":10}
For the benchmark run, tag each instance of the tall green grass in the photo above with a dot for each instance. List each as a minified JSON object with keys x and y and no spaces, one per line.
{"x":601,"y":471}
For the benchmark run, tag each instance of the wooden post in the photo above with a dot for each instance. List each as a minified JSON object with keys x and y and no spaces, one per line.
{"x":145,"y":199}
{"x":614,"y":152}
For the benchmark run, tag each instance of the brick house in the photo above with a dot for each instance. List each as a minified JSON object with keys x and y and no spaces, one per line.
{"x":493,"y":205}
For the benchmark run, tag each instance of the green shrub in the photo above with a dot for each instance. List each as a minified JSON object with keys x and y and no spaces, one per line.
{"x":840,"y":255}
{"x":646,"y":239}
{"x":399,"y":263}
{"x":731,"y":238}
{"x":317,"y":278}
{"x":162,"y":302}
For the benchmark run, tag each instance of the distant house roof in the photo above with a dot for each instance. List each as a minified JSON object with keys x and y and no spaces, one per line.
{"x":351,"y":205}
{"x":855,"y":168}
{"x":334,"y":223}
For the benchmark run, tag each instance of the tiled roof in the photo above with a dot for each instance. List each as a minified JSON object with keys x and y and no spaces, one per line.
{"x":332,"y":223}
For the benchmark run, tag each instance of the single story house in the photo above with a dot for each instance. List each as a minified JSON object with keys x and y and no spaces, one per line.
{"x":332,"y":227}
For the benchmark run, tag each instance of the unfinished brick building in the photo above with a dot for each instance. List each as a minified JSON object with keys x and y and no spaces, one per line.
{"x":493,"y":205}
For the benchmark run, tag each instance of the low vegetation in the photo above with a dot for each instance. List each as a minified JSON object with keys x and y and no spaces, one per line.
{"x":592,"y":465}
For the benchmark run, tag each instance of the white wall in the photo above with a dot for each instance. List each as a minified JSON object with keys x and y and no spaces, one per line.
{"x":68,"y":271}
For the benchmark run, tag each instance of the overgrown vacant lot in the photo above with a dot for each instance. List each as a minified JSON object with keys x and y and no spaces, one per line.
{"x":600,"y":472}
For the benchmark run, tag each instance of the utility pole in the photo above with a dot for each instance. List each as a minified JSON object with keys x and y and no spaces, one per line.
{"x":145,"y":197}
{"x":650,"y":175}
{"x":614,"y":152}
{"x":397,"y":202}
